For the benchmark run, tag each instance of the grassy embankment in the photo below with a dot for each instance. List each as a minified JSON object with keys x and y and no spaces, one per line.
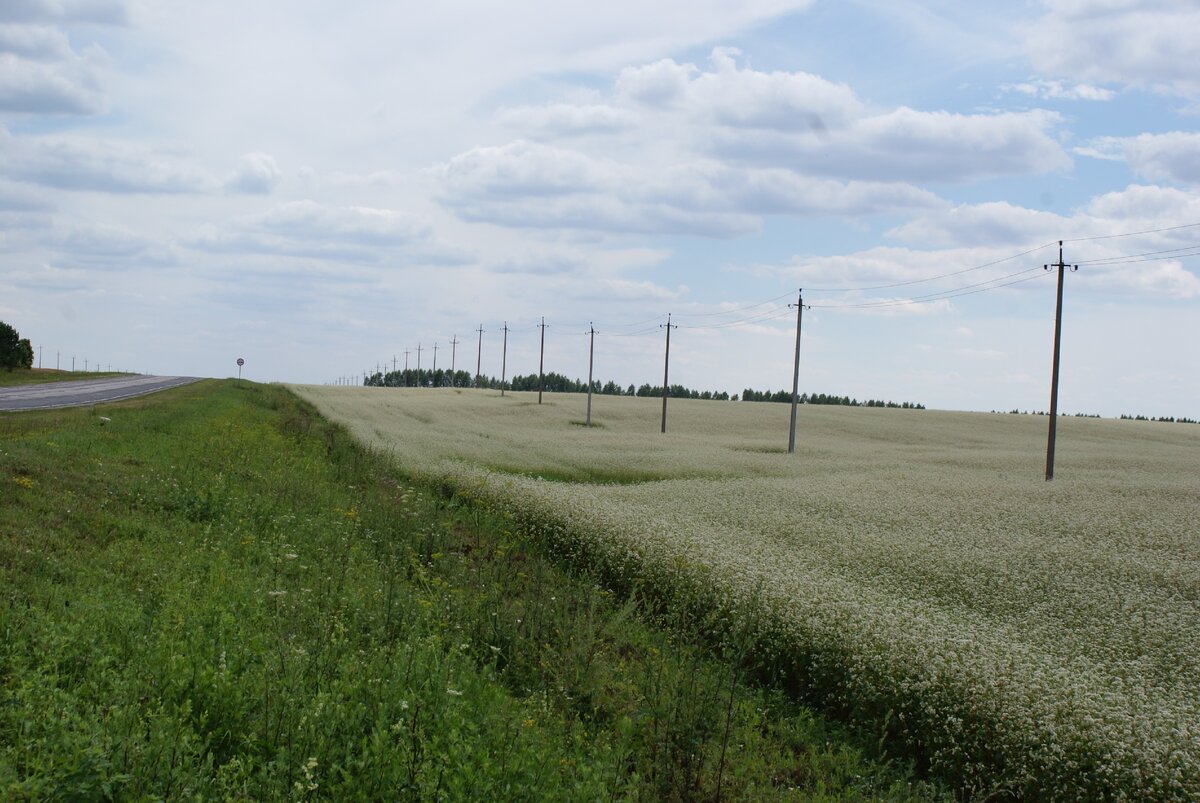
{"x":219,"y":594}
{"x":37,"y":376}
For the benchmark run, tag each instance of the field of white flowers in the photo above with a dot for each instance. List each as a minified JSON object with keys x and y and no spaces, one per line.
{"x":910,"y":570}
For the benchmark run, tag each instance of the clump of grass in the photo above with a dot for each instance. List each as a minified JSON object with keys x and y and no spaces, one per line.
{"x":219,"y":594}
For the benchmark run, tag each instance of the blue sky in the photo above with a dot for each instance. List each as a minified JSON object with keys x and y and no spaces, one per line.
{"x":320,"y":189}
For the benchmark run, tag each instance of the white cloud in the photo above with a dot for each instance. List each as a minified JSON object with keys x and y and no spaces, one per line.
{"x":566,"y":120}
{"x":661,"y":84}
{"x":320,"y":231}
{"x":109,"y":12}
{"x":981,"y":243}
{"x":78,"y":162}
{"x":1173,"y":156}
{"x":40,"y":73}
{"x":909,"y":145}
{"x":729,"y":95}
{"x":257,"y":173}
{"x":805,"y":123}
{"x":1143,"y":43}
{"x":1058,"y":90}
{"x":531,"y":185}
{"x":997,"y":223}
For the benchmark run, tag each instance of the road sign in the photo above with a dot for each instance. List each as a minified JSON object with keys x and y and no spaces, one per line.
{"x":241,"y":362}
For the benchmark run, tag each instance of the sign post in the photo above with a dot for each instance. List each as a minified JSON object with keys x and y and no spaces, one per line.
{"x":241,"y":362}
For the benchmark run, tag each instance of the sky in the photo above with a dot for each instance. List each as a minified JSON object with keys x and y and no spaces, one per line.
{"x":323,"y":189}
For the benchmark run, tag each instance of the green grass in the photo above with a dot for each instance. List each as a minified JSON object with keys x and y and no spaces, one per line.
{"x":38,"y":376}
{"x":218,"y":594}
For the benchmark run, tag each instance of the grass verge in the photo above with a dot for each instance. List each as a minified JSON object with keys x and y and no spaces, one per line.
{"x":217,"y":593}
{"x":39,"y":376}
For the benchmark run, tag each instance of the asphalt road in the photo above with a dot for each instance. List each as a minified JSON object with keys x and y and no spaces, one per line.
{"x":86,"y":391}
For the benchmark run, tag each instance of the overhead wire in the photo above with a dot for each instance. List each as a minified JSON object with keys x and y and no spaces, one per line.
{"x":1132,"y":233}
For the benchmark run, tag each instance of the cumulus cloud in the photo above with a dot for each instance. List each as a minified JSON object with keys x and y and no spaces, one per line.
{"x":538,"y":186}
{"x":106,"y":12}
{"x":257,"y":173}
{"x":566,"y":120}
{"x":1144,"y":43}
{"x":108,"y":247}
{"x":41,"y":74}
{"x":740,"y":97}
{"x":993,"y":223}
{"x":321,"y":231}
{"x":910,"y":145}
{"x":979,"y":243}
{"x":1059,"y":90}
{"x":1172,"y":157}
{"x":83,"y":163}
{"x":712,"y":152}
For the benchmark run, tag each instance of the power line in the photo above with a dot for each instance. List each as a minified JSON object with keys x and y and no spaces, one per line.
{"x":935,"y":297}
{"x":1132,"y":233}
{"x":930,"y":278}
{"x":1148,"y":256}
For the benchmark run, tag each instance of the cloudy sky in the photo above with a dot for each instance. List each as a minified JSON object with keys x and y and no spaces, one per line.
{"x":321,"y":187}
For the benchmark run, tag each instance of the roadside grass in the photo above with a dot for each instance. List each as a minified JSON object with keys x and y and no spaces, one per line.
{"x":38,"y":376}
{"x":217,"y":593}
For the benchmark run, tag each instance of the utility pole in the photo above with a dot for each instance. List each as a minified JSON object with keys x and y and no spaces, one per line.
{"x":406,"y":368}
{"x":1054,"y":371}
{"x":418,"y":365}
{"x":666,"y":367}
{"x":479,"y":354}
{"x":72,"y":363}
{"x":799,"y":305}
{"x":504,"y":359}
{"x":85,"y":362}
{"x":435,"y":348}
{"x":454,"y":341}
{"x":591,"y":352}
{"x":57,"y":354}
{"x":39,"y":358}
{"x":542,"y":362}
{"x":393,"y":363}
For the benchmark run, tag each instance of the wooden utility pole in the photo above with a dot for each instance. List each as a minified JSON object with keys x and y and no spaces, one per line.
{"x":454,"y":341}
{"x":591,"y":353}
{"x":799,"y":305}
{"x":666,"y":367}
{"x":418,"y":365}
{"x":479,"y":354}
{"x":504,"y":358}
{"x":542,"y":362}
{"x":405,"y":369}
{"x":1054,"y":371}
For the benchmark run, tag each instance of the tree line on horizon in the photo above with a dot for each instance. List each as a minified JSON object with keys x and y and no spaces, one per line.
{"x":553,"y":382}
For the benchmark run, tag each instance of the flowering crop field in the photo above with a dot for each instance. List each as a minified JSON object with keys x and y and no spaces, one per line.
{"x":909,"y":570}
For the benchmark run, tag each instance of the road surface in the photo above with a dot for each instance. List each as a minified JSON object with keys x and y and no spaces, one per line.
{"x":86,"y":391}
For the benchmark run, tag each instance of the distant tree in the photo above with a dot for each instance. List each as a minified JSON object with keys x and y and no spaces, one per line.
{"x":11,"y":354}
{"x":25,"y":353}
